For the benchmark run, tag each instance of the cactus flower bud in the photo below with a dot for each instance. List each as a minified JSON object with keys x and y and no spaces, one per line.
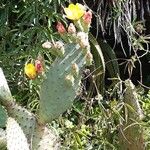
{"x":39,"y":66}
{"x":82,"y":39}
{"x":59,"y":46}
{"x":47,"y":45}
{"x":69,"y":80}
{"x":87,"y":17}
{"x":61,"y":51}
{"x":60,"y":28}
{"x":75,"y":69}
{"x":71,"y":28}
{"x":30,"y":70}
{"x":89,"y":58}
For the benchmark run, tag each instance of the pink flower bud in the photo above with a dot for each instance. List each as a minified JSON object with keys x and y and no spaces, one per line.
{"x":60,"y":28}
{"x":39,"y":66}
{"x":71,"y":28}
{"x":87,"y":17}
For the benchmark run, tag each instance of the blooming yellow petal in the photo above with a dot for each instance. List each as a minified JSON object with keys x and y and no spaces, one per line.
{"x":30,"y":70}
{"x":69,"y":13}
{"x":74,"y":12}
{"x":71,"y":6}
{"x":81,"y":7}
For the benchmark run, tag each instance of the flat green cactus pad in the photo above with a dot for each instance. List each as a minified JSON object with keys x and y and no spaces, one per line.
{"x":16,"y":139}
{"x":3,"y":117}
{"x":131,"y":132}
{"x":25,"y":119}
{"x":56,"y":95}
{"x":45,"y":138}
{"x":2,"y":139}
{"x":5,"y":93}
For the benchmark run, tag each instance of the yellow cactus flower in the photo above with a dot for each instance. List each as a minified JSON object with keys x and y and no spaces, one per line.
{"x":30,"y":70}
{"x":74,"y":12}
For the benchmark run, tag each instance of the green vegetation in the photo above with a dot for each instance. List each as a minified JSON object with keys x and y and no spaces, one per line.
{"x":75,"y":84}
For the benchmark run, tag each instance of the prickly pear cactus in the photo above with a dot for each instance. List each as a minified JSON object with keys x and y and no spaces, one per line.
{"x":59,"y":88}
{"x":3,"y":117}
{"x":5,"y":94}
{"x":57,"y":92}
{"x":24,"y":123}
{"x":21,"y":115}
{"x":38,"y":136}
{"x":45,"y":138}
{"x":2,"y":139}
{"x":16,"y":139}
{"x":131,"y":133}
{"x":64,"y":75}
{"x":131,"y":98}
{"x":25,"y":119}
{"x":56,"y":96}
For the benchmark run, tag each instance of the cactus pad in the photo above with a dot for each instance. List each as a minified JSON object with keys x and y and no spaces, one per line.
{"x":2,"y":139}
{"x":25,"y":119}
{"x":16,"y":139}
{"x":45,"y":139}
{"x":131,"y":132}
{"x":4,"y":89}
{"x":3,"y":117}
{"x":56,"y":95}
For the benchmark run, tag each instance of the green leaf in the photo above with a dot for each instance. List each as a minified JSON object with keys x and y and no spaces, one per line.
{"x":110,"y":59}
{"x":99,"y":63}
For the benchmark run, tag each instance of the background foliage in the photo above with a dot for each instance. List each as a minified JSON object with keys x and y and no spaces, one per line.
{"x":93,"y":121}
